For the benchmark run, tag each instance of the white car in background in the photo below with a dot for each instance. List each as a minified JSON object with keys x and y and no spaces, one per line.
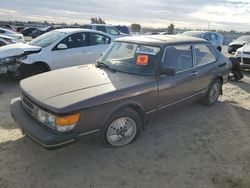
{"x":243,"y":55}
{"x":5,"y":40}
{"x":17,"y":36}
{"x":109,"y":29}
{"x":54,"y":50}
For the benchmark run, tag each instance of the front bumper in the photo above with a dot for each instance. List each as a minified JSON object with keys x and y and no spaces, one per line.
{"x":244,"y":62}
{"x":36,"y":130}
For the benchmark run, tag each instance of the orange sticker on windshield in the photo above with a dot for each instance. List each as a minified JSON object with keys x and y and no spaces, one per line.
{"x":142,"y":60}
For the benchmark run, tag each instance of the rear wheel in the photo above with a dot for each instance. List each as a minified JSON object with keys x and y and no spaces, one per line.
{"x":121,"y":129}
{"x":213,"y":93}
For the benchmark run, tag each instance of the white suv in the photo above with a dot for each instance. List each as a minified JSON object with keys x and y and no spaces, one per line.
{"x":54,"y":50}
{"x":106,"y":29}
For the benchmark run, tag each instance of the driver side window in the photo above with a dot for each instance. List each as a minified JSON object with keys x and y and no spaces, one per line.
{"x":76,"y":40}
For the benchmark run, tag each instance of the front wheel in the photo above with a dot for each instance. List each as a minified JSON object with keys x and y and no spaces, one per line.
{"x":213,"y":93}
{"x":121,"y":129}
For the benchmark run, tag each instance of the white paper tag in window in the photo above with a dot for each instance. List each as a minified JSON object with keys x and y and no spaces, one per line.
{"x":147,"y":50}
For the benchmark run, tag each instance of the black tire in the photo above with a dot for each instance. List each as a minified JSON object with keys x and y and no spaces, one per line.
{"x":219,"y":49}
{"x":208,"y":99}
{"x":123,"y":113}
{"x":33,"y":70}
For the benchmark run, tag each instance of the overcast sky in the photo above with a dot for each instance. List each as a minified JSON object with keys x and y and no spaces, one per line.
{"x":219,"y":14}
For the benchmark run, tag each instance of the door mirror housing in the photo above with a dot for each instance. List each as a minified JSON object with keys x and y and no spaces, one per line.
{"x":168,"y":71}
{"x":62,"y":46}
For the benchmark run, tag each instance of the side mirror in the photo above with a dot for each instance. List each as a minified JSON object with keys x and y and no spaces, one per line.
{"x":168,"y":71}
{"x":62,"y":46}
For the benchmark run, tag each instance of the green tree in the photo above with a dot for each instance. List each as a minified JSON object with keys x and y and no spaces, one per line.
{"x":135,"y":27}
{"x":97,"y":20}
{"x":171,"y":29}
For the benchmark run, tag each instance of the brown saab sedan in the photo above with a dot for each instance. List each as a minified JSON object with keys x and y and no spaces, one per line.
{"x":135,"y":78}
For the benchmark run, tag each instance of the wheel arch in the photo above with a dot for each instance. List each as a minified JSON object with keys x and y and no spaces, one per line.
{"x":43,"y":64}
{"x":133,"y":105}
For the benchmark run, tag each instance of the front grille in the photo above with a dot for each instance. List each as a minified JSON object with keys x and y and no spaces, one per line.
{"x":28,"y":105}
{"x":246,"y":60}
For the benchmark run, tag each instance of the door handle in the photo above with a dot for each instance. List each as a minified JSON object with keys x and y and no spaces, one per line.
{"x":194,"y":73}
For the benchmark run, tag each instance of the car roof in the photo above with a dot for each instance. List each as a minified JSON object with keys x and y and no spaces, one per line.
{"x":100,"y":24}
{"x":7,"y":30}
{"x":161,"y":40}
{"x":201,"y":32}
{"x":76,"y":30}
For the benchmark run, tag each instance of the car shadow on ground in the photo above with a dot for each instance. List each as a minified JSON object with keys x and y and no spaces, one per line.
{"x":172,"y":144}
{"x":242,"y":84}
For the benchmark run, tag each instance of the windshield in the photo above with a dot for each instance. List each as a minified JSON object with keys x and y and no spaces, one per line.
{"x":131,"y":58}
{"x":47,"y":39}
{"x":244,"y":38}
{"x":192,"y":34}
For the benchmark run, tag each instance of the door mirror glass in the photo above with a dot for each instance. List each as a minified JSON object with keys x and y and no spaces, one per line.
{"x":62,"y":46}
{"x":168,"y":71}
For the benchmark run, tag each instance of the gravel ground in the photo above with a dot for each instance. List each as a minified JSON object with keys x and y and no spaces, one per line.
{"x":194,"y":146}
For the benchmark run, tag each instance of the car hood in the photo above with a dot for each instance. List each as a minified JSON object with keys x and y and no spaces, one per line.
{"x":17,"y":49}
{"x":63,"y":90}
{"x":246,"y":48}
{"x":238,"y":43}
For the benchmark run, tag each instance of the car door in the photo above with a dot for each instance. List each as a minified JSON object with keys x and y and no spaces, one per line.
{"x":181,"y":86}
{"x":76,"y":53}
{"x":98,"y":43}
{"x":206,"y":65}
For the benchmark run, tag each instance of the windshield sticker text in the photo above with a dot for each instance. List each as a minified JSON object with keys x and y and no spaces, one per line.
{"x":147,"y":50}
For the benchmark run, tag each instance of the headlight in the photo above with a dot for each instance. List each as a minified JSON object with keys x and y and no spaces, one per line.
{"x":59,"y":123}
{"x":66,"y":123}
{"x":7,"y":60}
{"x":238,"y":52}
{"x":45,"y":118}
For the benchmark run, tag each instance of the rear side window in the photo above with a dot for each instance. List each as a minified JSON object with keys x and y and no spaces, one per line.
{"x":97,"y":39}
{"x":101,"y":28}
{"x":178,"y":57}
{"x":203,"y":54}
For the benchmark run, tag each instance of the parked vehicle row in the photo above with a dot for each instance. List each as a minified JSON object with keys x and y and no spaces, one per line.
{"x":5,"y":40}
{"x":135,"y":78}
{"x":17,"y":36}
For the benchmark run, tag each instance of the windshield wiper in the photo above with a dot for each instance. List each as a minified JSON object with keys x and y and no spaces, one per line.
{"x":101,"y":64}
